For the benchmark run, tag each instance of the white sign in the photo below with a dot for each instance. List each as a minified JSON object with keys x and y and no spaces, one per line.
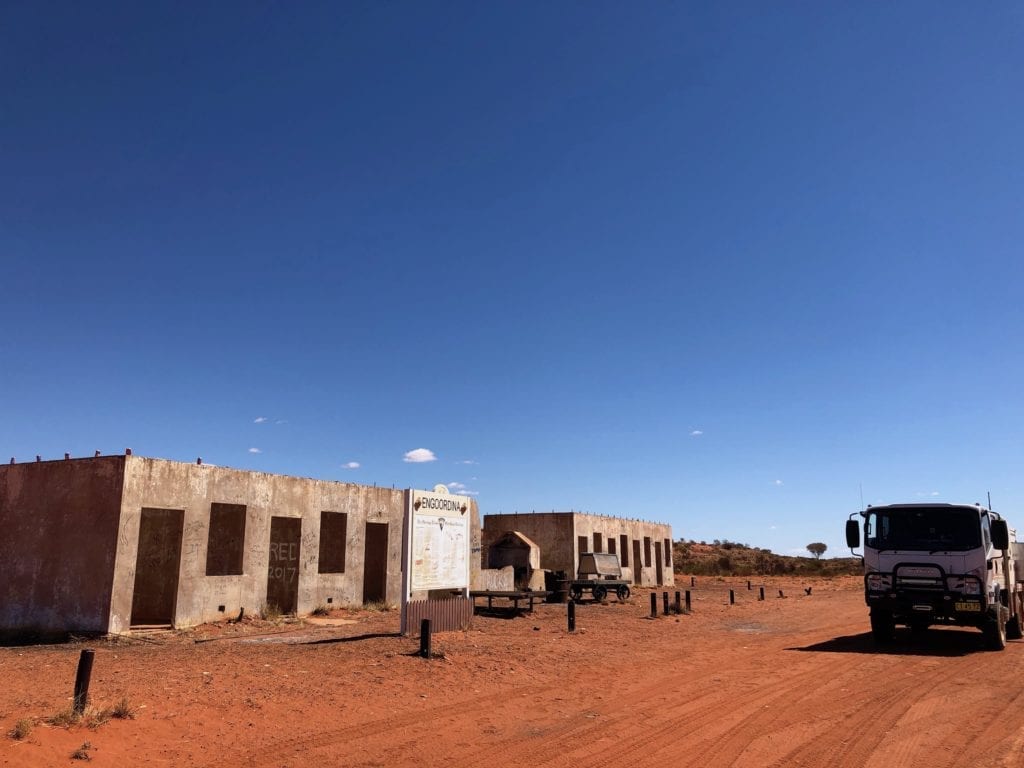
{"x":439,"y":546}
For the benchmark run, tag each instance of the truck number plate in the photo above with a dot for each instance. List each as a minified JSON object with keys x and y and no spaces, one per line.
{"x":967,"y":606}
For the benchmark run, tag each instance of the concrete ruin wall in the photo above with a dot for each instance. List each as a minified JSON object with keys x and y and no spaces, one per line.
{"x":58,"y":531}
{"x":159,"y":484}
{"x":558,"y":535}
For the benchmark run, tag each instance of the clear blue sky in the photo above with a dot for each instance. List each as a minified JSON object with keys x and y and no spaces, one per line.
{"x":716,"y":265}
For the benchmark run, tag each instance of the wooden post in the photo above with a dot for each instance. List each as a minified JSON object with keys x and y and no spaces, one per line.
{"x":687,"y":601}
{"x":780,"y":593}
{"x":732,"y":597}
{"x":760,"y":593}
{"x":82,"y":681}
{"x":679,"y":605}
{"x":572,"y":615}
{"x":693,"y":581}
{"x":654,"y":605}
{"x":665,"y":603}
{"x":748,"y":585}
{"x":425,"y":639}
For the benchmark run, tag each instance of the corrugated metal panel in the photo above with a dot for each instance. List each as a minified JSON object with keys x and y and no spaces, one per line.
{"x":445,"y":615}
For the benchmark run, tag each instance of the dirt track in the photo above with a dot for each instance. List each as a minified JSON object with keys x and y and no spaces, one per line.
{"x":783,"y":682}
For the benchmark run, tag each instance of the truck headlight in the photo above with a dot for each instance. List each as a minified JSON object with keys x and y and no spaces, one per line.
{"x":877,"y":582}
{"x":972,"y":587}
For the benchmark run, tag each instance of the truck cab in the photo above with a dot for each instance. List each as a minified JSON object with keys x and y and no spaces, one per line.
{"x":928,"y":564}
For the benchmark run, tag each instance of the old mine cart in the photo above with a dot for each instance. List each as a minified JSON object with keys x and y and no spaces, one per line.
{"x":598,"y":573}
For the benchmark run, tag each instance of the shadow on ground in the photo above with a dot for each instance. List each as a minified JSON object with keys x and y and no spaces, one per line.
{"x":941,"y":642}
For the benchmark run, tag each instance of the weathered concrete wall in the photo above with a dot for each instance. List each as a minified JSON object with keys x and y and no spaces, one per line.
{"x":557,"y":534}
{"x":193,"y":488}
{"x":58,"y":530}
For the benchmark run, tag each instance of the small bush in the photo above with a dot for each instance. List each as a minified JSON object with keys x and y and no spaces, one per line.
{"x":21,"y":729}
{"x":271,"y":612}
{"x":321,"y":610}
{"x":63,"y":719}
{"x":379,"y":605}
{"x":82,"y":753}
{"x":123,"y":709}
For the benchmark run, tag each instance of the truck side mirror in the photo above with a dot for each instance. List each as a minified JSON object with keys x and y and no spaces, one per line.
{"x":852,"y":534}
{"x":1000,"y":535}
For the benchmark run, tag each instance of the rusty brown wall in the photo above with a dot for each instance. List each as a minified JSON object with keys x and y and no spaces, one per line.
{"x":58,"y":536}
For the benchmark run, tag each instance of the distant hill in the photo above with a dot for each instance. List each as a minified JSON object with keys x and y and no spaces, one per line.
{"x":730,"y":558}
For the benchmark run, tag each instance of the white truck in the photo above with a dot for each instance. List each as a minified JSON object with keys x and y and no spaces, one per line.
{"x":928,"y":564}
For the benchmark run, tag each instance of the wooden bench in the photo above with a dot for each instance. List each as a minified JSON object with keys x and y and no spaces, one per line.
{"x":514,"y":597}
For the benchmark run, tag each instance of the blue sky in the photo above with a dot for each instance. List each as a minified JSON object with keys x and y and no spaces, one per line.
{"x":716,"y":265}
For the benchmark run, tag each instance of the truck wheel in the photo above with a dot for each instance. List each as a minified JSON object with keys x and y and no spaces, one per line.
{"x":918,"y":627}
{"x":1013,"y":630}
{"x":995,"y":633}
{"x":600,"y":593}
{"x":883,"y":628}
{"x":622,"y":592}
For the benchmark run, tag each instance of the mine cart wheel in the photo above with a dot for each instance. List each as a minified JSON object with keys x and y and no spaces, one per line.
{"x":600,"y":593}
{"x":995,"y":633}
{"x":622,"y":592}
{"x":576,"y":593}
{"x":883,"y":628}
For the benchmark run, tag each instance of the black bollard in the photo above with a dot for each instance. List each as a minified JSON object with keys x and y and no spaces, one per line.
{"x":760,"y":593}
{"x":425,"y":639}
{"x":82,"y":681}
{"x":679,"y":606}
{"x":748,"y":585}
{"x":654,"y":605}
{"x":732,"y":597}
{"x":780,"y":593}
{"x":693,"y":581}
{"x":572,"y":615}
{"x":687,"y":601}
{"x":665,"y":604}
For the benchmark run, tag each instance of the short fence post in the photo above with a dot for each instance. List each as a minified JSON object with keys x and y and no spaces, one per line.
{"x":82,"y":680}
{"x":748,"y":585}
{"x":687,"y":601}
{"x":780,"y":593}
{"x":693,"y":581}
{"x":732,"y":597}
{"x":679,"y":606}
{"x":760,"y":593}
{"x":654,"y":605}
{"x":425,"y":639}
{"x":572,"y":615}
{"x":665,"y":604}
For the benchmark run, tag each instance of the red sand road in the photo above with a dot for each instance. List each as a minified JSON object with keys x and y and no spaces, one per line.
{"x":783,"y":682}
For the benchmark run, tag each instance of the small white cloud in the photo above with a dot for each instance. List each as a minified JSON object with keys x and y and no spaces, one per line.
{"x":281,"y":421}
{"x":419,"y":455}
{"x":922,"y":494}
{"x":469,"y":493}
{"x":351,"y":465}
{"x":259,"y":420}
{"x":456,"y":486}
{"x":255,"y":450}
{"x":778,"y":482}
{"x":696,"y":432}
{"x":466,"y":461}
{"x":773,"y":527}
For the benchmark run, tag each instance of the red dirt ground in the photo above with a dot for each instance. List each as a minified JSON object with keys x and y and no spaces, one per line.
{"x":784,"y":682}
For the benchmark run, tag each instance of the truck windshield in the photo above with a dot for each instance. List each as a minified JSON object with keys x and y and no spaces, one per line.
{"x":924,"y":528}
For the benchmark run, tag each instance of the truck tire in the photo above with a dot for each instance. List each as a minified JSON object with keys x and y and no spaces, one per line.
{"x":995,"y":633}
{"x":883,"y":627}
{"x":1013,"y":630}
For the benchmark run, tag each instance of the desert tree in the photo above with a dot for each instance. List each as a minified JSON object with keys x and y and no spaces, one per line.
{"x":817,"y":549}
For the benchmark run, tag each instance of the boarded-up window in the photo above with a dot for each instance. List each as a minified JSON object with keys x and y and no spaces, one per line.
{"x":647,"y":551}
{"x":584,"y":546}
{"x":226,"y":544}
{"x":611,"y":545}
{"x":668,"y":552}
{"x":597,"y":542}
{"x":333,"y":530}
{"x":624,"y":541}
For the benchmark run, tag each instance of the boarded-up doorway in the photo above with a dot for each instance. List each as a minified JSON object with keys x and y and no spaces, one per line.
{"x":637,"y":563}
{"x":156,"y":566}
{"x":375,"y":563}
{"x":283,"y":566}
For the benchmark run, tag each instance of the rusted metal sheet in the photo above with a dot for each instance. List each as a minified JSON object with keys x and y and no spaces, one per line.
{"x":445,"y":615}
